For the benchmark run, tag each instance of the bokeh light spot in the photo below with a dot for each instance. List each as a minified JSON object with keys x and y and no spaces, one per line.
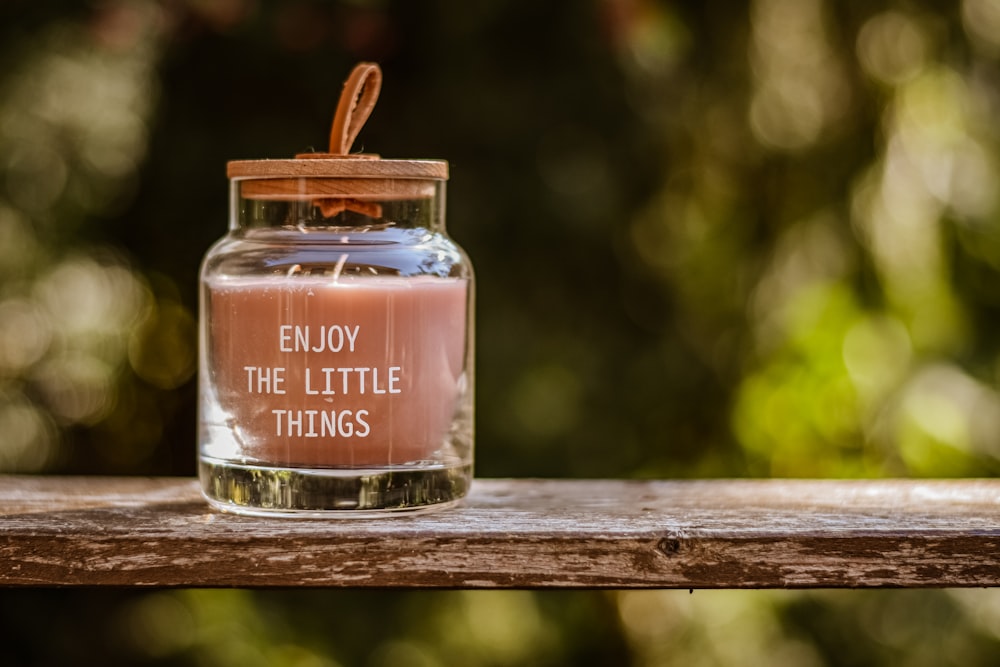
{"x":30,"y":439}
{"x":892,"y":47}
{"x":78,"y":388}
{"x":877,"y":354}
{"x":982,"y":22}
{"x":163,"y":349}
{"x":25,"y":334}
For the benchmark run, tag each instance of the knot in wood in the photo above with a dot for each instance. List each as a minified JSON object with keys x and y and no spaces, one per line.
{"x":669,"y":546}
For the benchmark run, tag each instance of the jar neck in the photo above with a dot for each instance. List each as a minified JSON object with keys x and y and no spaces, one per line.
{"x":325,"y":203}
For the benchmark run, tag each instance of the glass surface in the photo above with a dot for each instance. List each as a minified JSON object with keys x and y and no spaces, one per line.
{"x":336,"y":356}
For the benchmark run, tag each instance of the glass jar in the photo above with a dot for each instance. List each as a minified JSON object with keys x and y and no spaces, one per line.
{"x":336,"y":372}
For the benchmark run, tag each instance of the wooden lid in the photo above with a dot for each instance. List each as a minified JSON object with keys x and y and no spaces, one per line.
{"x":325,"y":164}
{"x":354,"y":179}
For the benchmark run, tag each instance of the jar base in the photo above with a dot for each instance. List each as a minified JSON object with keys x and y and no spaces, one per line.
{"x":331,"y":492}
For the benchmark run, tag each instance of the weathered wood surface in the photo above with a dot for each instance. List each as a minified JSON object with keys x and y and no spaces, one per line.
{"x":514,"y":533}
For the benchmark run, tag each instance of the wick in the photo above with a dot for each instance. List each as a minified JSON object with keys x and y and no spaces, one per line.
{"x":339,"y":267}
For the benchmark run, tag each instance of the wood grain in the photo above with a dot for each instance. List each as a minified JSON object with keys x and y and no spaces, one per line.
{"x":360,"y":166}
{"x":301,"y":189}
{"x":89,"y":531}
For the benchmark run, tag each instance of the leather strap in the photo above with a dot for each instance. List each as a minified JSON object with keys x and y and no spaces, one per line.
{"x":355,"y":105}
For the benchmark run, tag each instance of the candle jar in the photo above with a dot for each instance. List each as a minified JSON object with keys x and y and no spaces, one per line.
{"x":336,"y":341}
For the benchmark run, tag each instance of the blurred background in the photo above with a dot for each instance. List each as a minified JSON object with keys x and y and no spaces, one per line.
{"x":712,"y":239}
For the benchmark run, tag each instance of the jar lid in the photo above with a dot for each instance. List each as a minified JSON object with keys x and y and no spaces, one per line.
{"x":325,"y":164}
{"x":340,"y":180}
{"x":357,"y":100}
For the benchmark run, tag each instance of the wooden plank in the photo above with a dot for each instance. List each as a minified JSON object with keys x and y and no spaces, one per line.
{"x":88,"y":531}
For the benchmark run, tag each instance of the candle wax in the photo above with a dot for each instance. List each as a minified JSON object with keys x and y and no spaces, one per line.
{"x":354,"y":372}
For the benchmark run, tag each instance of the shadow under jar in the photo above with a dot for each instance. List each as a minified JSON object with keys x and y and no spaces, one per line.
{"x":336,"y":342}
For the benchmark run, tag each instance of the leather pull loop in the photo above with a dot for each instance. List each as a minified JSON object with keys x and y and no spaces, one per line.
{"x":356,"y":103}
{"x":357,"y":100}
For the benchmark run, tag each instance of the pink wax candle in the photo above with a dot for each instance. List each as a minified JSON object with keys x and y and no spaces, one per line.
{"x":355,"y":372}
